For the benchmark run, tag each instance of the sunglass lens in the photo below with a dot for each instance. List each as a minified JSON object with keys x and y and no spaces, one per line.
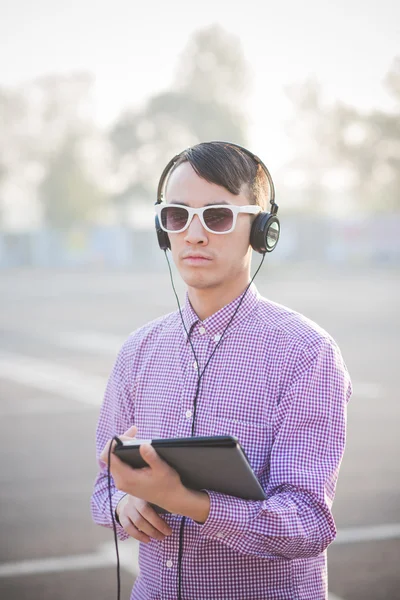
{"x":218,"y":219}
{"x":174,"y":218}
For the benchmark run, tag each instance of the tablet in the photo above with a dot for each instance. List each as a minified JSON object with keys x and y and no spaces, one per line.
{"x":216,"y":463}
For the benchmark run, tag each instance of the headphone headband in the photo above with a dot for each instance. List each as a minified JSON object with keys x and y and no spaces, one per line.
{"x":170,"y":165}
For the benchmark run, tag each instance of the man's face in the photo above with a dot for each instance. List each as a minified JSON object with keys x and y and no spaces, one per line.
{"x":204,"y":259}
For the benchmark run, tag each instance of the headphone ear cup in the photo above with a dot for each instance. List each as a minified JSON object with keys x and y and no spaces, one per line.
{"x":264,"y":233}
{"x":162,"y":236}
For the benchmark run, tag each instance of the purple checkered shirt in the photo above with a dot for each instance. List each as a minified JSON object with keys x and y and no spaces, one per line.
{"x":278,"y":383}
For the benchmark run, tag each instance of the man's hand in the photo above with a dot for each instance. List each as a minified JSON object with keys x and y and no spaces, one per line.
{"x":140,"y":520}
{"x":157,"y":484}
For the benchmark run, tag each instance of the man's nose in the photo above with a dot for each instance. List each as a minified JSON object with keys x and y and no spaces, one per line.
{"x":195,"y":233}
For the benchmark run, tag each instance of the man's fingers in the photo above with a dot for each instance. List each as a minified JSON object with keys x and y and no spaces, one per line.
{"x":150,"y":456}
{"x":132,"y":431}
{"x":134,"y":523}
{"x":145,"y":527}
{"x":140,"y":519}
{"x":129,"y":434}
{"x":154,"y":519}
{"x":132,"y":530}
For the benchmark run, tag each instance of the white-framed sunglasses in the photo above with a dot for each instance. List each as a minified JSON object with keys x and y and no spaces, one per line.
{"x":218,"y":218}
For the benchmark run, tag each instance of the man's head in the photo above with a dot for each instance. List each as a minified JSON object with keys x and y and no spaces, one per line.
{"x":215,"y":173}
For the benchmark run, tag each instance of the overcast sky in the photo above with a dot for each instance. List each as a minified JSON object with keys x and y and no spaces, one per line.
{"x":132,"y":47}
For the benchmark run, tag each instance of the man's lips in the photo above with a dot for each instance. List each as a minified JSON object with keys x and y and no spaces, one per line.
{"x":195,"y":257}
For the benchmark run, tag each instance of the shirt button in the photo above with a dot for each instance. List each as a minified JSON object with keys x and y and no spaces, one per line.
{"x":202,"y":330}
{"x":188,"y":414}
{"x":220,"y":534}
{"x":169,"y":563}
{"x":195,"y":365}
{"x":217,"y":338}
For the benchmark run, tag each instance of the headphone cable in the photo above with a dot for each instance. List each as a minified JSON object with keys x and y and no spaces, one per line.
{"x":200,"y":375}
{"x":113,"y":520}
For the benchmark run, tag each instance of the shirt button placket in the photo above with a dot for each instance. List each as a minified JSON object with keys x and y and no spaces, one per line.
{"x":200,"y":341}
{"x":168,"y":561}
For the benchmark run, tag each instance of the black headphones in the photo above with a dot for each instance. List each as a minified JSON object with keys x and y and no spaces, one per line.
{"x":265,"y":229}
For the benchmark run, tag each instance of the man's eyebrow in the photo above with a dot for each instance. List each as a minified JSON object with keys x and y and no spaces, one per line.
{"x":222,"y":202}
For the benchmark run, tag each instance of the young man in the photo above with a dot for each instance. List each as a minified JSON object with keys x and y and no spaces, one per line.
{"x":276,"y":381}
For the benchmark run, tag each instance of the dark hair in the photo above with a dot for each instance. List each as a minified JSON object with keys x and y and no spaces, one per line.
{"x":228,"y":166}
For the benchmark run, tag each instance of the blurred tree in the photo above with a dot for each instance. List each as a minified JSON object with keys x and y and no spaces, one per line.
{"x":362,"y":148}
{"x":212,"y":68}
{"x":36,"y":118}
{"x":68,"y":195}
{"x":369,"y":144}
{"x":17,"y":148}
{"x":37,"y":122}
{"x":311,"y":132}
{"x":205,"y":102}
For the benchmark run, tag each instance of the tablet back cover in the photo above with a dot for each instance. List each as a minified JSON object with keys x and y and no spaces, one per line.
{"x":222,"y":467}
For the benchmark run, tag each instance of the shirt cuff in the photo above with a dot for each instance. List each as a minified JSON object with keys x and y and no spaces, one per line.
{"x":228,"y":515}
{"x":115,"y":498}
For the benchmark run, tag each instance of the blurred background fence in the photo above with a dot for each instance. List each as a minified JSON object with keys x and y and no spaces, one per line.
{"x":305,"y":238}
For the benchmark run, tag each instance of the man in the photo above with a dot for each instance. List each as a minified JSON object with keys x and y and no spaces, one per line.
{"x":250,"y":368}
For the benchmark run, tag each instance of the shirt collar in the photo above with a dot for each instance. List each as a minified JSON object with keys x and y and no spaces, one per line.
{"x":215,"y":325}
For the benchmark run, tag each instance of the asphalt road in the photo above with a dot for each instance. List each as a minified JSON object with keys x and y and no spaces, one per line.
{"x":59,"y":334}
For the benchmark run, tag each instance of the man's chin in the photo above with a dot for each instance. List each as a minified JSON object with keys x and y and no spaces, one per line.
{"x":197,"y":280}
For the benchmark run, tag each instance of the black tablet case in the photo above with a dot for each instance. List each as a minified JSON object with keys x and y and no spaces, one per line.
{"x":215,"y":463}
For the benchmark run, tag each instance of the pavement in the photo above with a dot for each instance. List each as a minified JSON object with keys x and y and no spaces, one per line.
{"x":59,"y":335}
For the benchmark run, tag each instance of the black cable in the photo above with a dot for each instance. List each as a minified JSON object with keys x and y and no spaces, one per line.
{"x":180,"y":312}
{"x":200,"y":375}
{"x":113,"y":522}
{"x":180,"y":555}
{"x":199,"y":378}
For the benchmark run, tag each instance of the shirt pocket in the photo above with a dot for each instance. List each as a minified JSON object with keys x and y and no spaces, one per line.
{"x":255,"y":439}
{"x":243,"y":400}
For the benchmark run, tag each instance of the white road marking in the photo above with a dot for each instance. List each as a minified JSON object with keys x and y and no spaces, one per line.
{"x":368,"y":534}
{"x":77,"y":562}
{"x":58,"y":379}
{"x":91,"y":341}
{"x":104,"y":557}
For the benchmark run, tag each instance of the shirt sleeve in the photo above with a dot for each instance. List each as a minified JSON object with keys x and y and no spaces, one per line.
{"x":116,"y":416}
{"x":295,"y":520}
